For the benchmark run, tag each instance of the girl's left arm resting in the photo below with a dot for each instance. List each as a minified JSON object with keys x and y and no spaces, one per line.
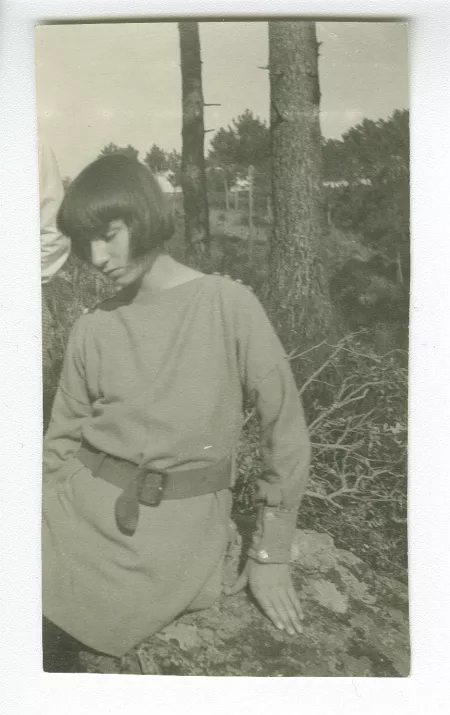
{"x":285,"y":454}
{"x":267,"y":569}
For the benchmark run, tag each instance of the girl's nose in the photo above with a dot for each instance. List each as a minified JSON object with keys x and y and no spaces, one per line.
{"x":99,"y":254}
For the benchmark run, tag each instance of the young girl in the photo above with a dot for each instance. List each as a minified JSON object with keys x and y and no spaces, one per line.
{"x":139,"y":453}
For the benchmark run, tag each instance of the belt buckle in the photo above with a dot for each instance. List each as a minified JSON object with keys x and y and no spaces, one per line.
{"x":158,"y":489}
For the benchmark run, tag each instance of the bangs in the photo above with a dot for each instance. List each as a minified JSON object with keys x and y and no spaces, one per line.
{"x":115,"y":187}
{"x":97,"y":196}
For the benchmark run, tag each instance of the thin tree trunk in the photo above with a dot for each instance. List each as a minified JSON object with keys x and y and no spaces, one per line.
{"x":250,"y":212}
{"x":269,"y":209}
{"x":297,"y":291}
{"x":227,"y":200}
{"x":193,"y":176}
{"x":398,"y":260}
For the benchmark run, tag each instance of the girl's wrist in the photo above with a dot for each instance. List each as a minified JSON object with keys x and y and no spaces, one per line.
{"x":272,"y":540}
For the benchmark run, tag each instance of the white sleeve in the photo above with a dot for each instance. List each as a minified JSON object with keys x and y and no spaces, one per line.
{"x":55,"y":248}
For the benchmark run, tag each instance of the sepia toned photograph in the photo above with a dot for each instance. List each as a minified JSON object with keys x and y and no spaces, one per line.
{"x":225,"y":269}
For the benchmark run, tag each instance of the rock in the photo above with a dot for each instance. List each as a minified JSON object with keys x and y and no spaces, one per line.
{"x":184,"y":635}
{"x":355,"y":589}
{"x":355,"y":625}
{"x":327,"y":595}
{"x":313,"y":552}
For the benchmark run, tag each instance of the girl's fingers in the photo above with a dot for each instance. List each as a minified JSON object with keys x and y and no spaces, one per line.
{"x":271,"y":611}
{"x":238,"y":586}
{"x":291,"y":611}
{"x":282,"y":612}
{"x":296,"y":603}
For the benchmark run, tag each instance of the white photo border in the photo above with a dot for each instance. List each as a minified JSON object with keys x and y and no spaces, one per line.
{"x":25,"y":688}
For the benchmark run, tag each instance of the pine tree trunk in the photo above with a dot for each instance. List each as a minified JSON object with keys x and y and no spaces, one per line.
{"x":227,"y":199}
{"x":297,"y":292}
{"x":193,"y":176}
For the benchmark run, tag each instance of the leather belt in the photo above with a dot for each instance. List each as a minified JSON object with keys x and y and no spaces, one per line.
{"x":144,"y":485}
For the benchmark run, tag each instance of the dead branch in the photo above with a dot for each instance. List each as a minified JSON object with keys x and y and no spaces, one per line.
{"x":319,"y":370}
{"x":336,"y":406}
{"x":323,"y":446}
{"x":323,"y":497}
{"x":251,"y":413}
{"x":292,"y":356}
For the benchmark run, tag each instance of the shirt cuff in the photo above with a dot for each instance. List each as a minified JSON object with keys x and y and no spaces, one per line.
{"x":272,"y":540}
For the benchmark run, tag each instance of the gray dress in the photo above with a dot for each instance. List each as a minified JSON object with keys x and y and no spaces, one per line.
{"x":161,"y":377}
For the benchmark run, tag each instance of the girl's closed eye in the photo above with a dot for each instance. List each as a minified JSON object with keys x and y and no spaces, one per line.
{"x":110,"y":232}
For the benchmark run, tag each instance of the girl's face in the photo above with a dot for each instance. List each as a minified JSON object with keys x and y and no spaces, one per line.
{"x":110,"y":254}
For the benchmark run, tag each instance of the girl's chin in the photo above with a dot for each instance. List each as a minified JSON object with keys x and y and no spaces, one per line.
{"x":123,"y":277}
{"x":126,"y":278}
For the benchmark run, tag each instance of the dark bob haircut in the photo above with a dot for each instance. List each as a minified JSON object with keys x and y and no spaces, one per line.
{"x":115,"y":187}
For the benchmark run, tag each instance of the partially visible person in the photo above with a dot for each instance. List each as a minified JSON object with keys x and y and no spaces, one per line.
{"x":55,"y":249}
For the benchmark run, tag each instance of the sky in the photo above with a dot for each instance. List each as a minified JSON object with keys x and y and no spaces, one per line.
{"x":121,"y":82}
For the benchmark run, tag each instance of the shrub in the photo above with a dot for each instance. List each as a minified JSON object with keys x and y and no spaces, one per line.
{"x":356,"y":405}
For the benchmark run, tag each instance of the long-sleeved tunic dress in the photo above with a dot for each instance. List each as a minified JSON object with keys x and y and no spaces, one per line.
{"x":160,"y":378}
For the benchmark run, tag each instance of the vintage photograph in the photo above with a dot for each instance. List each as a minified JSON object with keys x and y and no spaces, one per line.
{"x":225,"y":268}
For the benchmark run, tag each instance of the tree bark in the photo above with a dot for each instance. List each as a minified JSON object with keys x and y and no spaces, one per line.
{"x":227,"y":199}
{"x":193,"y":176}
{"x":298,"y":297}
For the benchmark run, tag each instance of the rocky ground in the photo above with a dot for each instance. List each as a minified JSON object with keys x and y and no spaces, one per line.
{"x":356,"y":625}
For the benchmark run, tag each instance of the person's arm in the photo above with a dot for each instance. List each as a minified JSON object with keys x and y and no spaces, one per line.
{"x":71,"y":407}
{"x":285,"y":454}
{"x":55,"y":248}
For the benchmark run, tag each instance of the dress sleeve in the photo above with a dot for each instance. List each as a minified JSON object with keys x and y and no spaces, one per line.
{"x":55,"y":247}
{"x":284,"y":442}
{"x":71,"y":408}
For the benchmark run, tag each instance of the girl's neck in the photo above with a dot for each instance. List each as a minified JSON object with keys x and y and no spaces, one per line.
{"x":164,"y":272}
